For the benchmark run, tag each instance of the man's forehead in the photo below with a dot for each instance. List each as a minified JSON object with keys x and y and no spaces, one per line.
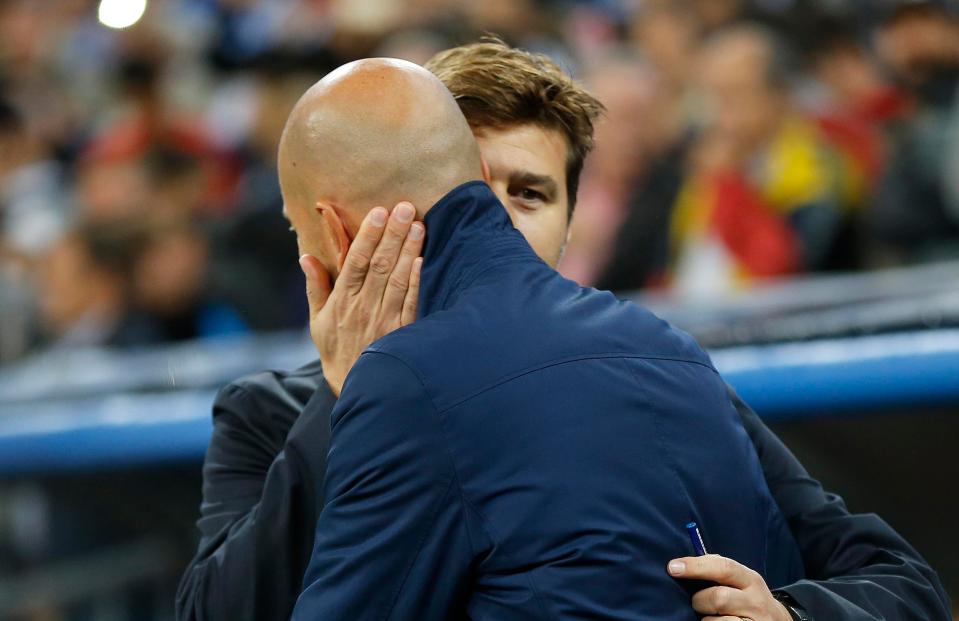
{"x":529,"y":148}
{"x":527,"y":131}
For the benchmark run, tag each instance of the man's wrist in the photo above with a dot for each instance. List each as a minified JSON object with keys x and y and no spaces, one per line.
{"x":335,"y":383}
{"x":794,"y":608}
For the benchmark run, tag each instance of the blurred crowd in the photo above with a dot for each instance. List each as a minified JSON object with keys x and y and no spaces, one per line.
{"x":743,"y":141}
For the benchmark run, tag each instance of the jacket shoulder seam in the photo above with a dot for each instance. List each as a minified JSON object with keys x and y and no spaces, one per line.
{"x":568,"y":360}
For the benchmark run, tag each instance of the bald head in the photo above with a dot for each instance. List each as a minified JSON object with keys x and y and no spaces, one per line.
{"x":375,"y":132}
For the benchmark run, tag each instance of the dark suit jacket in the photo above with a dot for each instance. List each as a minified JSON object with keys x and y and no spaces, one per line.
{"x":258,"y":529}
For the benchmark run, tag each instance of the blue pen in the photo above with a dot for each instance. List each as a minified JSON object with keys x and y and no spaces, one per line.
{"x":697,"y":538}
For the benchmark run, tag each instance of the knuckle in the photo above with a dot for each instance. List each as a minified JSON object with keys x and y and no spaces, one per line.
{"x":381,"y":265}
{"x":720,"y":598}
{"x":727,"y":567}
{"x":364,"y":315}
{"x":370,"y":230}
{"x":397,"y":282}
{"x":358,"y":261}
{"x":397,"y":230}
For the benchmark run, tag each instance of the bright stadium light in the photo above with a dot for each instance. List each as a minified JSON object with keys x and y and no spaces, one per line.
{"x":121,"y":13}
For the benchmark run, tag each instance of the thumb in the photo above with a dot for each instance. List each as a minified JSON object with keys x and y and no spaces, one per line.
{"x":318,"y":285}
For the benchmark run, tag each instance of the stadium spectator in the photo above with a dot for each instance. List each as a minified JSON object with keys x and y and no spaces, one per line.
{"x":845,"y":146}
{"x":33,"y":204}
{"x":666,"y":34}
{"x":251,"y":247}
{"x":763,"y":194}
{"x":714,"y":14}
{"x":628,"y":89}
{"x":85,"y":289}
{"x":111,"y":188}
{"x":916,"y":216}
{"x":858,"y":99}
{"x":33,"y":215}
{"x":172,"y":284}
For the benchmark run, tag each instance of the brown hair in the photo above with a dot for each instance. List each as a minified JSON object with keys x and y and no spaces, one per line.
{"x":498,"y":86}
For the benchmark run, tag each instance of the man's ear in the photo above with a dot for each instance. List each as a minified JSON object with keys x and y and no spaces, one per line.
{"x":487,"y":177}
{"x":338,"y":229}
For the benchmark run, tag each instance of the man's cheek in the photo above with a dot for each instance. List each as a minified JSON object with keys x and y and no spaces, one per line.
{"x":308,"y":243}
{"x":558,"y":236}
{"x":545,"y":247}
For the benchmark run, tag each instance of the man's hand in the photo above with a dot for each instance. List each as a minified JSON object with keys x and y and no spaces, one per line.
{"x":375,"y":293}
{"x":741,"y":592}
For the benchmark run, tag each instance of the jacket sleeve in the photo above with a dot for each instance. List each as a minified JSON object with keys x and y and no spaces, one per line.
{"x":858,"y":568}
{"x":258,"y":512}
{"x":391,"y":541}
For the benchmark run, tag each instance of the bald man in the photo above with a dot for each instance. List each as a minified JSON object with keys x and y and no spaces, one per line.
{"x":528,"y":448}
{"x":353,"y":142}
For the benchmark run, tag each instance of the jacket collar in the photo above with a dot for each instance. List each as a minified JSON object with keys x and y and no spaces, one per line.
{"x":468,"y":231}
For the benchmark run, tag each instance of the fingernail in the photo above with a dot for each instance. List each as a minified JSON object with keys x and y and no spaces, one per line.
{"x":405,"y":212}
{"x":416,"y":233}
{"x":378,"y":216}
{"x":677,"y":568}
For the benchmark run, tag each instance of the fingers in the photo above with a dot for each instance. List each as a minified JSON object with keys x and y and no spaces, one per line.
{"x":713,"y":568}
{"x":388,"y":251}
{"x":412,"y":294}
{"x":399,"y":281}
{"x":721,"y":600}
{"x":380,"y":263}
{"x":357,"y":262}
{"x":317,"y":283}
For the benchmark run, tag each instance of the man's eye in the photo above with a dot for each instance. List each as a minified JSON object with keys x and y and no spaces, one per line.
{"x":528,"y":194}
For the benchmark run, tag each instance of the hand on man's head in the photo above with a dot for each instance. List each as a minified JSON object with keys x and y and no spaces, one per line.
{"x":376,"y":291}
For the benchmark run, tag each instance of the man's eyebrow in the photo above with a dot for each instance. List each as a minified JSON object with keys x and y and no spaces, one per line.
{"x":547,"y":183}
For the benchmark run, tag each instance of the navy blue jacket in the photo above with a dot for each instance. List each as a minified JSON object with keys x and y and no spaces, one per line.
{"x":263,"y":488}
{"x":529,"y":449}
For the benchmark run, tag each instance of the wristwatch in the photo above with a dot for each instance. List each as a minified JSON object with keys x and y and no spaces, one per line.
{"x":797,"y":612}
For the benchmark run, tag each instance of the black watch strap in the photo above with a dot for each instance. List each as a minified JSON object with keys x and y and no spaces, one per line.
{"x":797,"y":612}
